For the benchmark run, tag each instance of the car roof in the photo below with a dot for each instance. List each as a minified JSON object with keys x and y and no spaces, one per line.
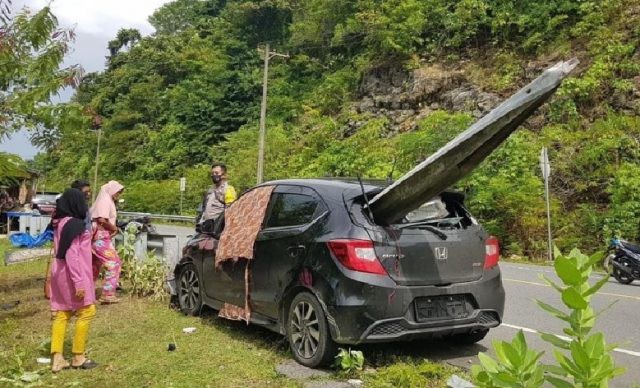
{"x":329,"y":187}
{"x":349,"y":187}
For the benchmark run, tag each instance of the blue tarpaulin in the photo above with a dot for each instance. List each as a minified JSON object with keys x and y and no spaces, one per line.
{"x":28,"y":241}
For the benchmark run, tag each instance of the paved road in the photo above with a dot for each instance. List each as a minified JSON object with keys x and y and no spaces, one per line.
{"x":620,"y":323}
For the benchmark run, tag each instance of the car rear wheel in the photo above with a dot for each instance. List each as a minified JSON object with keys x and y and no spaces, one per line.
{"x":189,"y":296}
{"x":469,"y":338}
{"x":308,"y":332}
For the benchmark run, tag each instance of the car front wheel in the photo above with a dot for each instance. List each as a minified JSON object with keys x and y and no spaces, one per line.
{"x":189,"y":296}
{"x":308,"y":332}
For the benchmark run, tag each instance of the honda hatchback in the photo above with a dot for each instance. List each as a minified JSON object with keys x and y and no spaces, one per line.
{"x":324,"y":272}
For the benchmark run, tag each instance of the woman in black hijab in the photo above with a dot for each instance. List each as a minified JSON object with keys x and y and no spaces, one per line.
{"x":72,"y":285}
{"x":72,"y":204}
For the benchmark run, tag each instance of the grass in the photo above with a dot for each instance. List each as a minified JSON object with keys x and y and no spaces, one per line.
{"x":129,"y":340}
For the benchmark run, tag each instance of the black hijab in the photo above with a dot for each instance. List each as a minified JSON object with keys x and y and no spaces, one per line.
{"x":72,"y":204}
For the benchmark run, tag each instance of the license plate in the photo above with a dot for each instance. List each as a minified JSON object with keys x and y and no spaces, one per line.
{"x":441,"y":307}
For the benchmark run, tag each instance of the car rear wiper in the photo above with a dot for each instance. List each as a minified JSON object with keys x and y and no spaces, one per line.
{"x":423,"y":225}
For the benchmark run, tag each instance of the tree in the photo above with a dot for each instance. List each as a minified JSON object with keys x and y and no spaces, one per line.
{"x":32,"y":48}
{"x":125,"y":38}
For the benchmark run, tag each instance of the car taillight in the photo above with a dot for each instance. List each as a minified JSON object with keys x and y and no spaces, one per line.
{"x":492,"y":249}
{"x":357,"y":255}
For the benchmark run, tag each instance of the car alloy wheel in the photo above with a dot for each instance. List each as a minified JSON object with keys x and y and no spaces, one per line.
{"x":308,"y":332}
{"x":305,"y":332}
{"x":189,"y":295}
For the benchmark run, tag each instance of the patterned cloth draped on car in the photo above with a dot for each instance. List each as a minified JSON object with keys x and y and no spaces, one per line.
{"x":243,"y":221}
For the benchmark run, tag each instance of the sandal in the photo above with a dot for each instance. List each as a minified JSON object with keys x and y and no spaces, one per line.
{"x":109,"y":300}
{"x":87,"y":364}
{"x":57,"y":368}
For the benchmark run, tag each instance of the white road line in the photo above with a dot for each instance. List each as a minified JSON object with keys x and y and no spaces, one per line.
{"x":546,"y":285}
{"x":564,"y":338}
{"x":534,"y":268}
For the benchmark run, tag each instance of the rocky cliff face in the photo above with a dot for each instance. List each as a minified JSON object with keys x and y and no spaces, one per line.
{"x":404,"y":97}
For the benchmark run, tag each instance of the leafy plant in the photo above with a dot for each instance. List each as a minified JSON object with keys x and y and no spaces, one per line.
{"x":516,"y":365}
{"x":147,"y":277}
{"x":349,"y":360}
{"x":17,"y":375}
{"x":585,"y":360}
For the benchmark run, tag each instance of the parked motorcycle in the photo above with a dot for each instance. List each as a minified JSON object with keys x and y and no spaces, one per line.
{"x":623,"y":261}
{"x":142,"y":223}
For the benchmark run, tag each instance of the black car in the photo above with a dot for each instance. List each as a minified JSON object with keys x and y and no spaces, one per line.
{"x":325,"y":273}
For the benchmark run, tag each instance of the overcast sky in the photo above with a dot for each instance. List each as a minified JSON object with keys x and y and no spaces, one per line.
{"x":95,"y":22}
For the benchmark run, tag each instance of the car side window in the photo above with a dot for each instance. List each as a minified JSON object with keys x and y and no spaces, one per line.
{"x":291,"y":210}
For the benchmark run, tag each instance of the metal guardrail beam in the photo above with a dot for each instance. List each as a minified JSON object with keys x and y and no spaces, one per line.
{"x":165,"y":217}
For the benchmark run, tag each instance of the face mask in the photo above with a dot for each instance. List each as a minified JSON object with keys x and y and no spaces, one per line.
{"x":216,"y":178}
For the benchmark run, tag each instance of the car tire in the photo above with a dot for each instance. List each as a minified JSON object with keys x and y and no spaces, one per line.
{"x":189,"y":290}
{"x":308,"y":332}
{"x":469,"y":338}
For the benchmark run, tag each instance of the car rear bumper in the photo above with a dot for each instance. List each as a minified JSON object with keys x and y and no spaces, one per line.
{"x":368,"y":313}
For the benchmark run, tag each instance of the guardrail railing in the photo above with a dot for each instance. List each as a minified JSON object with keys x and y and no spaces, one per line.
{"x":164,"y":217}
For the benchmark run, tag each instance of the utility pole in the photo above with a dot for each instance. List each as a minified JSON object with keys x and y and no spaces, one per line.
{"x":96,"y":123}
{"x":263,"y":106}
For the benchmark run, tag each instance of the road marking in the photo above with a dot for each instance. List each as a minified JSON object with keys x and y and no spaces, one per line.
{"x":534,"y":268}
{"x":564,"y":338}
{"x":598,"y":293}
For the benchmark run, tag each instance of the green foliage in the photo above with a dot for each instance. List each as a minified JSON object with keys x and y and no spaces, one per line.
{"x":406,"y":373}
{"x":624,"y":213}
{"x":583,"y":361}
{"x":146,"y":277}
{"x":32,"y":50}
{"x":17,"y":375}
{"x":516,"y":365}
{"x":12,"y":168}
{"x":349,"y":360}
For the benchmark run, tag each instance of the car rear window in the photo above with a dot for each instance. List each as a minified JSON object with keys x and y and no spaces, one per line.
{"x":291,"y":210}
{"x":441,"y":211}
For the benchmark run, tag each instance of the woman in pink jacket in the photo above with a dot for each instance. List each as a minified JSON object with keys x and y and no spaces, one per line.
{"x":72,"y":285}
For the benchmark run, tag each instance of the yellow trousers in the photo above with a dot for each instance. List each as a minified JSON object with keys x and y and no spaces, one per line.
{"x":59,"y":321}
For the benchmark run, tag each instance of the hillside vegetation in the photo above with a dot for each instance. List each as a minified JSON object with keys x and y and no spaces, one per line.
{"x":371,"y":88}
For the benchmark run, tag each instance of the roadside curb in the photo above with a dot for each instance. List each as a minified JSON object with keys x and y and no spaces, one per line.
{"x":25,"y":255}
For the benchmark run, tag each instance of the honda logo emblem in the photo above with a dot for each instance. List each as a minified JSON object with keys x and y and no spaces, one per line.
{"x":441,"y":253}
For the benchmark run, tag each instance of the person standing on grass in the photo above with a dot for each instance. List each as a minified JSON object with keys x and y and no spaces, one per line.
{"x":72,"y":284}
{"x":103,"y":215}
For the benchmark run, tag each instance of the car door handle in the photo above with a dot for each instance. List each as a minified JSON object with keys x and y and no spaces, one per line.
{"x":296,"y":250}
